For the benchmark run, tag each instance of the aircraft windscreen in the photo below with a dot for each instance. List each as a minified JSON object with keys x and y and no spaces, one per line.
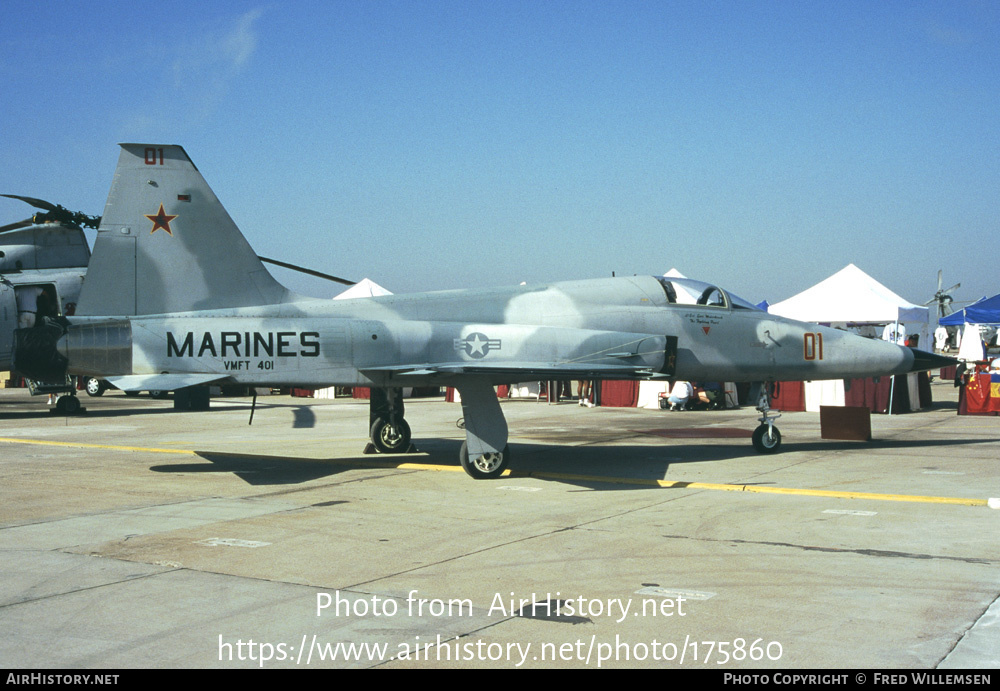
{"x":685,"y":291}
{"x":740,"y":303}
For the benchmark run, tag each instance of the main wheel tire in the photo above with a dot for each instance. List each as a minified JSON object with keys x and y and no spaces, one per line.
{"x":488,"y":466}
{"x":95,"y":387}
{"x":68,"y":405}
{"x":159,"y":394}
{"x":766,"y":439}
{"x":389,"y":438}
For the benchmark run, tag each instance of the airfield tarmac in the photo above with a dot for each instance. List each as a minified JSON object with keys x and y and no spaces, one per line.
{"x":133,"y":536}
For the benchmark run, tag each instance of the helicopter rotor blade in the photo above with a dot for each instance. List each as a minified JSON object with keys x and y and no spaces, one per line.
{"x":57,"y":213}
{"x":37,"y":203}
{"x":17,"y":226}
{"x":310,"y":272}
{"x":62,"y":214}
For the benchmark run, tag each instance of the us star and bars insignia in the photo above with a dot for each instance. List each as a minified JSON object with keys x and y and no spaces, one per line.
{"x":477,"y":345}
{"x":161,"y":219}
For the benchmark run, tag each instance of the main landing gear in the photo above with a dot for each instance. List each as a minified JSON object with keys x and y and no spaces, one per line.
{"x":485,"y":466}
{"x":484,"y":454}
{"x":766,"y":438}
{"x":389,"y":432}
{"x":390,"y":437}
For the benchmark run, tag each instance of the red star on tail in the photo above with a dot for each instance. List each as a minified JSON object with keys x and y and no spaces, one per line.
{"x":161,"y":220}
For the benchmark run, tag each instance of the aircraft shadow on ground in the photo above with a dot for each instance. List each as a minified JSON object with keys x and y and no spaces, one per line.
{"x":44,"y":412}
{"x":261,"y":470}
{"x":620,"y":463}
{"x":302,"y":416}
{"x":580,"y":466}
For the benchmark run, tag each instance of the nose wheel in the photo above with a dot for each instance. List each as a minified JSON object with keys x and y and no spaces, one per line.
{"x":766,"y":438}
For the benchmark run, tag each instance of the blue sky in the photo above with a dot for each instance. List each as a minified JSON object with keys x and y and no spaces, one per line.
{"x":432,"y":145}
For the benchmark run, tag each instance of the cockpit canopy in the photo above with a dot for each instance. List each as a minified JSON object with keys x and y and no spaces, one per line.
{"x":684,"y":291}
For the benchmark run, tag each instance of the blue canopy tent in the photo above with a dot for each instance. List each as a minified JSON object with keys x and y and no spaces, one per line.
{"x":986,"y":311}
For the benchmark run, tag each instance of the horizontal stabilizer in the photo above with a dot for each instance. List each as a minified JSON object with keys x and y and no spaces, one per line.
{"x":162,"y":382}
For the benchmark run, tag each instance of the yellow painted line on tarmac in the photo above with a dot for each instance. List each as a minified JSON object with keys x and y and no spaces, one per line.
{"x":719,"y":487}
{"x":436,"y":467}
{"x":83,"y":445}
{"x":962,"y":501}
{"x":665,"y":484}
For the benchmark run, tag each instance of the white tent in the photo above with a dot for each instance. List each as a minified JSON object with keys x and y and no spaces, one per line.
{"x":850,"y":296}
{"x":365,"y":288}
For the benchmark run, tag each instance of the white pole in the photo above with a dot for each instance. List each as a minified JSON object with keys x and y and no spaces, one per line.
{"x":892,"y":380}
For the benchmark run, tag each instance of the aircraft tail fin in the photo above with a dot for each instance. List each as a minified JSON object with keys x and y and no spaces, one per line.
{"x":166,"y":244}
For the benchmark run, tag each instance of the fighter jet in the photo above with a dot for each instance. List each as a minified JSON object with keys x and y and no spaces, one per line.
{"x":176,"y":299}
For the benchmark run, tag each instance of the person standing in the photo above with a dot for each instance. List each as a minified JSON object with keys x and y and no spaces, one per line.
{"x":680,"y":393}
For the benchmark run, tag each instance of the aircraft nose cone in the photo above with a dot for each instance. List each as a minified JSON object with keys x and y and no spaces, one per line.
{"x":922,"y":360}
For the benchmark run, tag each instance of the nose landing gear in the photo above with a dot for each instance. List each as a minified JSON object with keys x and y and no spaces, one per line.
{"x":766,"y":438}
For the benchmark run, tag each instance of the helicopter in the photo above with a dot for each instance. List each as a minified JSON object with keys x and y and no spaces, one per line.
{"x":43,"y":263}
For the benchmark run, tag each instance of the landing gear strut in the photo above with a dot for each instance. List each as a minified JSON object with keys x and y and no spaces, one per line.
{"x":766,"y":438}
{"x":389,"y":432}
{"x":484,"y":454}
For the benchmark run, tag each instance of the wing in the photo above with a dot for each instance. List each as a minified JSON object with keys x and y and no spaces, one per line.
{"x":630,"y":356}
{"x":525,"y":370}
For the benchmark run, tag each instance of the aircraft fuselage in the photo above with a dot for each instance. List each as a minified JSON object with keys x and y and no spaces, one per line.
{"x":557,"y":331}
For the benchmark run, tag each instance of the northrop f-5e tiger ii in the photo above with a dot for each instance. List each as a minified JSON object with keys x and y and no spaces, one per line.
{"x":175,"y":298}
